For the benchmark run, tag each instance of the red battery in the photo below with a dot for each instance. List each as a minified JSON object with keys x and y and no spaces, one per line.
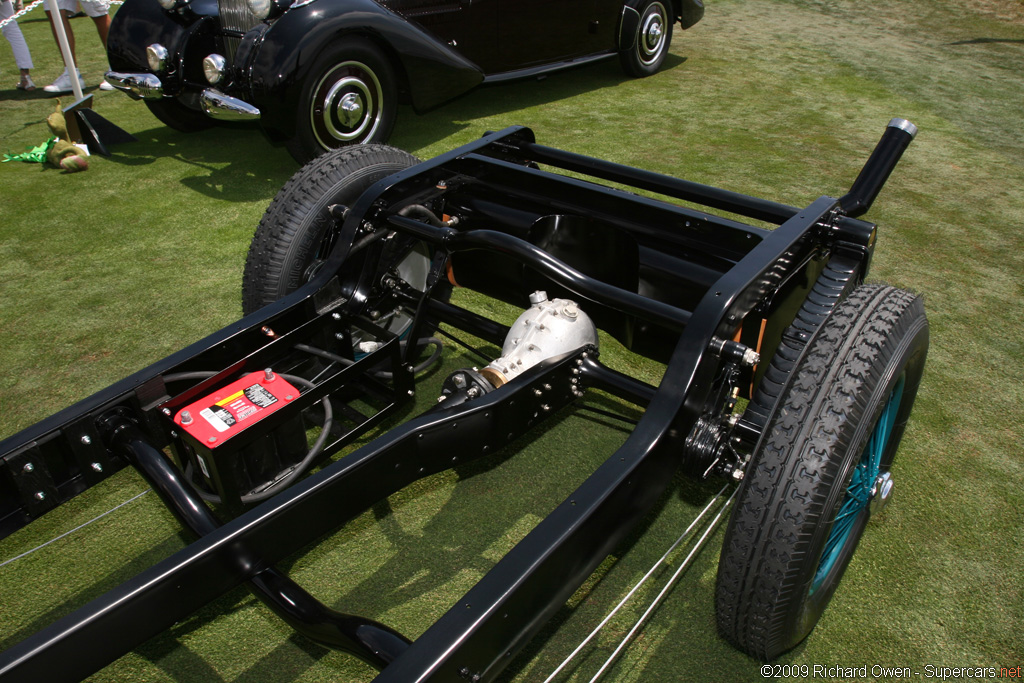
{"x":216,"y":418}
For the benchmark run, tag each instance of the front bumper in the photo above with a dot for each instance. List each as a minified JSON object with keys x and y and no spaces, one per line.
{"x":215,"y":104}
{"x":143,"y":86}
{"x":223,"y":107}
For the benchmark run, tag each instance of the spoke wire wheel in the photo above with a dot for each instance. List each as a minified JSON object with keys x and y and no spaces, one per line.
{"x":347,"y":105}
{"x":820,"y":471}
{"x":869,"y":490}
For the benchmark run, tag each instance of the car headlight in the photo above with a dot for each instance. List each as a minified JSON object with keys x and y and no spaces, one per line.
{"x":213,"y":68}
{"x":156,"y":56}
{"x":261,"y":8}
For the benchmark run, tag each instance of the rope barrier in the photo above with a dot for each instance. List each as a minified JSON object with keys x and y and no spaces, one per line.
{"x":28,"y":8}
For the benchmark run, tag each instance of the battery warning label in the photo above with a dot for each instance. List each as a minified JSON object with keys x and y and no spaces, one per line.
{"x":234,"y":407}
{"x":239,"y":406}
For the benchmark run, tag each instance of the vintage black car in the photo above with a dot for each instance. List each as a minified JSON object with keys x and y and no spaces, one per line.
{"x":321,"y":74}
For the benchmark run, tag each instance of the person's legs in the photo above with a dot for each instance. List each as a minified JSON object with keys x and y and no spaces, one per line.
{"x":102,"y":27}
{"x":99,"y":12}
{"x":63,"y":82}
{"x":22,"y":56}
{"x":64,"y":16}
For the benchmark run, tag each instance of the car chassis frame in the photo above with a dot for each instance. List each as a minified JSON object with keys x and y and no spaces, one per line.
{"x":746,"y":283}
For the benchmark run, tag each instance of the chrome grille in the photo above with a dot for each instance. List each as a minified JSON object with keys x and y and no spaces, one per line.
{"x":235,"y":15}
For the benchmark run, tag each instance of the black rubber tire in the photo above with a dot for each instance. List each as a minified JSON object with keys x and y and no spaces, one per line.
{"x":354,"y":71}
{"x":770,"y":593}
{"x":653,"y":39}
{"x":294,"y":236}
{"x":835,"y":283}
{"x":174,"y":114}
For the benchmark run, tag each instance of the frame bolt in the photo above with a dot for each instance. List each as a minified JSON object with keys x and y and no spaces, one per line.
{"x":28,"y":467}
{"x":86,"y":440}
{"x":40,"y":495}
{"x":96,"y":467}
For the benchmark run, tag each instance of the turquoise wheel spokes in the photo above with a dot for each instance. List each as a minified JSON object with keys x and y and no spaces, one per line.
{"x":859,"y":492}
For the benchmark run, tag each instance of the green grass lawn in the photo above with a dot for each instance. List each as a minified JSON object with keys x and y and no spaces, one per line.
{"x":104,"y":272}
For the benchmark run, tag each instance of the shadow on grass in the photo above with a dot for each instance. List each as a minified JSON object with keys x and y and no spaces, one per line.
{"x":231,"y":163}
{"x":984,"y":41}
{"x":101,"y":586}
{"x":235,"y":162}
{"x":498,"y":99}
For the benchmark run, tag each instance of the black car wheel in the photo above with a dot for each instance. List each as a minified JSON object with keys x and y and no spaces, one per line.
{"x":174,"y":114}
{"x":654,"y":35}
{"x":297,"y":233}
{"x":820,"y":471}
{"x":350,"y":98}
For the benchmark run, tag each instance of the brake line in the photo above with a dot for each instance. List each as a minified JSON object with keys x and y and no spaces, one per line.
{"x":712,"y":526}
{"x":650,"y":572}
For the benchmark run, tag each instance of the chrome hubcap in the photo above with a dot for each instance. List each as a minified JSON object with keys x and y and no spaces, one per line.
{"x":350,"y":110}
{"x":346,"y":106}
{"x":881,"y":493}
{"x":652,"y":33}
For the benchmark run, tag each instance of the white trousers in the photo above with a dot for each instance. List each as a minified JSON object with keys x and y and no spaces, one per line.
{"x":14,"y":36}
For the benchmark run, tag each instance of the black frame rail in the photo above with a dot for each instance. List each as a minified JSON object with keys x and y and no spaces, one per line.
{"x":751,"y":269}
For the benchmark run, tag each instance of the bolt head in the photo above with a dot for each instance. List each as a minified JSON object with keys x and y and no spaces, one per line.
{"x":86,"y":440}
{"x":96,"y":467}
{"x":29,"y":467}
{"x":40,"y":495}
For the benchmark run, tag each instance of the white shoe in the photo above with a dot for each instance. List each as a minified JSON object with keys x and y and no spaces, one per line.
{"x":63,"y":83}
{"x":105,"y":86}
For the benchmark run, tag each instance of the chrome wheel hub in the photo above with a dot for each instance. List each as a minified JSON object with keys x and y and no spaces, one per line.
{"x":881,"y":493}
{"x":346,"y":105}
{"x":350,"y":110}
{"x":652,"y":33}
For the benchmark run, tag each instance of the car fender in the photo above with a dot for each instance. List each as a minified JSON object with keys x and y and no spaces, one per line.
{"x":429,"y":70}
{"x":140,"y":23}
{"x":687,"y":12}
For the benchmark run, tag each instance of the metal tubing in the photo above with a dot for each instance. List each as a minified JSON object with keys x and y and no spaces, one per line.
{"x":587,"y":287}
{"x":471,"y":322}
{"x":897,"y":137}
{"x":616,"y":383}
{"x":689,"y":191}
{"x":373,"y":642}
{"x":84,"y":641}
